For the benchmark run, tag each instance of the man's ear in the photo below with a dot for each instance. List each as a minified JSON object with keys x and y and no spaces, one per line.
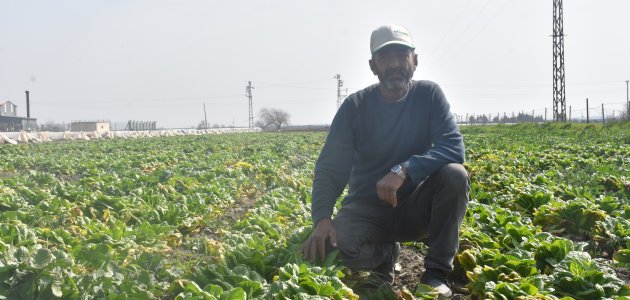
{"x":373,"y":67}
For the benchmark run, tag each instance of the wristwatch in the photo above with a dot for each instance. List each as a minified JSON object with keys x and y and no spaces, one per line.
{"x":398,"y":170}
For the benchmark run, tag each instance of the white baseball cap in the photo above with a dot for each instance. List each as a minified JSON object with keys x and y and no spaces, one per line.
{"x":390,"y":34}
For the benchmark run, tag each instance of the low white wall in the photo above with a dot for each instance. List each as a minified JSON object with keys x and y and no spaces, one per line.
{"x":45,"y":136}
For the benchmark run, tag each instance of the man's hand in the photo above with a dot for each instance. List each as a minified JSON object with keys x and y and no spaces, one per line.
{"x":316,"y":243}
{"x":387,"y":188}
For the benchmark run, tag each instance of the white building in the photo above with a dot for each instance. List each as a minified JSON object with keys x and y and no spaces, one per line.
{"x":8,"y":109}
{"x":99,"y":126}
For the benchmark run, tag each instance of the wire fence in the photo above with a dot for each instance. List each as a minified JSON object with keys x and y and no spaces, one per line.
{"x":590,"y":113}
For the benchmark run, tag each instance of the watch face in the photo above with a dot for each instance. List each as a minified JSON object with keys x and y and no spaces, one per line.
{"x":398,"y":170}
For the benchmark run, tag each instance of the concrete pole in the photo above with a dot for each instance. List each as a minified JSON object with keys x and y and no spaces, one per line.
{"x":28,"y":105}
{"x":205,"y":117}
{"x":587,"y":112}
{"x":627,"y":101}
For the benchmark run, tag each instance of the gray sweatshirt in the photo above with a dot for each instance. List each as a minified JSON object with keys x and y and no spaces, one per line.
{"x":370,"y":134}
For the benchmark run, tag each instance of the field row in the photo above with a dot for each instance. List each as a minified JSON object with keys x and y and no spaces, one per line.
{"x":222,"y":217}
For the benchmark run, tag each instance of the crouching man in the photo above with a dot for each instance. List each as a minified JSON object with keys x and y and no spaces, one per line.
{"x":397,"y":147}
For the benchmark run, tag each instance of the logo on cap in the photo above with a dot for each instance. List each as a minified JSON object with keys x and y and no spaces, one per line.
{"x":390,"y":34}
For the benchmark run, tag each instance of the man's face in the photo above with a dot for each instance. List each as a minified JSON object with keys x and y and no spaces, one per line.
{"x":394,"y":65}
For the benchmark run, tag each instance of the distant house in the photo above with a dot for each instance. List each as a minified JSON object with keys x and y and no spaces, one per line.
{"x":8,"y":109}
{"x":100,"y":126}
{"x":9,"y":121}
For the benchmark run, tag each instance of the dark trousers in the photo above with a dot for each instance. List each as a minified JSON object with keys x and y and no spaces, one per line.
{"x":434,"y":210}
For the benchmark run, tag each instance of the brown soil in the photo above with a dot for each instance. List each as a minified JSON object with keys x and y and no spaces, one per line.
{"x":237,"y":210}
{"x":410,"y":269}
{"x":7,"y":174}
{"x":623,"y":274}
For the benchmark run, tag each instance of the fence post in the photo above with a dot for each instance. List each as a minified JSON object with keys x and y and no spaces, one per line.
{"x":603,"y":116}
{"x":587,"y":114}
{"x":569,"y":113}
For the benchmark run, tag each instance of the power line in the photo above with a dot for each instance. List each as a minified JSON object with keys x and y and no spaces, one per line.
{"x":448,"y":54}
{"x":223,"y":99}
{"x":297,"y":82}
{"x":474,"y":37}
{"x":525,"y":85}
{"x":84,"y":99}
{"x":292,"y":86}
{"x":453,"y":22}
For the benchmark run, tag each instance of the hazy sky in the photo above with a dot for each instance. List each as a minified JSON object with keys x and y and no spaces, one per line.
{"x":162,"y":60}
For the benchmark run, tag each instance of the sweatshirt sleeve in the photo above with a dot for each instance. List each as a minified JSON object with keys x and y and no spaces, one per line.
{"x":447,"y":141}
{"x":334,"y":164}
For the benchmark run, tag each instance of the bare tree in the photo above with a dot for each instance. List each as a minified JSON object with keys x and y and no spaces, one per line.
{"x":202,"y":125}
{"x":273,"y":116}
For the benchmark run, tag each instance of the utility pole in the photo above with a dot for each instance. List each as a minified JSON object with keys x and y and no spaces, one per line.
{"x":339,"y":85}
{"x":559,"y":100}
{"x":205,"y":117}
{"x":248,"y":93}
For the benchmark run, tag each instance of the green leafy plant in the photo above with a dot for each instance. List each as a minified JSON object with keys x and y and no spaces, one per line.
{"x":580,"y":277}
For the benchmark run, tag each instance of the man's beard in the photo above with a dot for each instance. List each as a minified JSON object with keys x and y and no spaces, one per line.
{"x":395,"y":80}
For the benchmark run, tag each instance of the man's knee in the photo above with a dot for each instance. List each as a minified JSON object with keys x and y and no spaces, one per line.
{"x":454,"y":177}
{"x":348,"y":241}
{"x":346,"y":244}
{"x":350,"y":253}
